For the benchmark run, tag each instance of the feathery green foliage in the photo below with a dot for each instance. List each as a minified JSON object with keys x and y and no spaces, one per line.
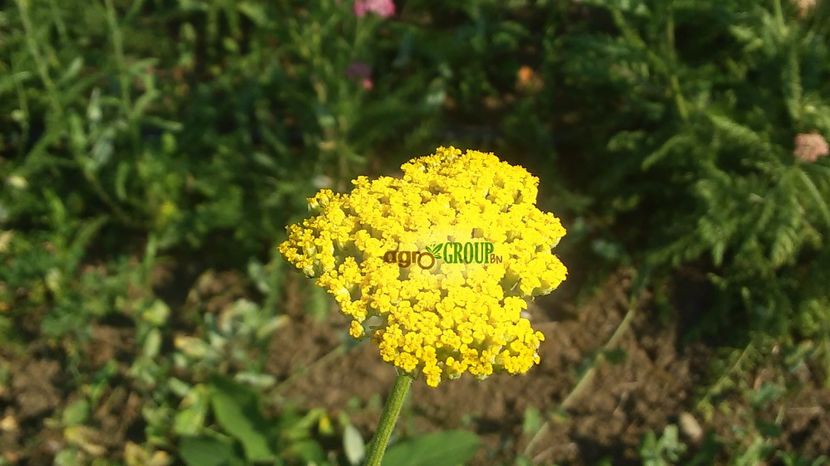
{"x":151,"y":153}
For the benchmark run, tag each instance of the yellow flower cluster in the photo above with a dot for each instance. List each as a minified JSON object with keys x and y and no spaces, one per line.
{"x":450,"y":318}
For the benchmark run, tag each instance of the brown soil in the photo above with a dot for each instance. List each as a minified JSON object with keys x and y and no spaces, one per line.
{"x":806,"y":421}
{"x":645,"y":384}
{"x":33,"y":401}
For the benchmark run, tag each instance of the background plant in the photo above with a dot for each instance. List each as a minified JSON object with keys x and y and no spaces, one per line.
{"x":151,"y":153}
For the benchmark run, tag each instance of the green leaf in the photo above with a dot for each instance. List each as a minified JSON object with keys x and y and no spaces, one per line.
{"x":156,"y":313}
{"x":434,"y":249}
{"x":308,"y":451}
{"x":353,"y":444}
{"x":76,"y":413}
{"x":207,"y":451}
{"x":191,"y":419}
{"x":676,"y":144}
{"x":237,"y":411}
{"x":739,"y":133}
{"x":532,"y":420}
{"x":152,"y":344}
{"x":448,"y":448}
{"x":295,"y":428}
{"x":254,"y":12}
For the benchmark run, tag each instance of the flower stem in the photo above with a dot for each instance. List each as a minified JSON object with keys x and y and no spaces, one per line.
{"x":388,"y":419}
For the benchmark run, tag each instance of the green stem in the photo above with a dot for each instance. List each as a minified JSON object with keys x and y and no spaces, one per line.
{"x":123,"y":77}
{"x":120,"y":61}
{"x":388,"y":419}
{"x":779,"y":14}
{"x":674,"y":81}
{"x":40,"y":62}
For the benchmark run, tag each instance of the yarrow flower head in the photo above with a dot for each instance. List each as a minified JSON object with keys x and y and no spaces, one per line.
{"x":475,"y":248}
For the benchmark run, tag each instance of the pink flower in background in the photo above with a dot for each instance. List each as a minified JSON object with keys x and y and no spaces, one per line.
{"x":361,"y":72}
{"x":804,"y":6}
{"x":358,"y":70}
{"x":383,"y":8}
{"x":810,"y":147}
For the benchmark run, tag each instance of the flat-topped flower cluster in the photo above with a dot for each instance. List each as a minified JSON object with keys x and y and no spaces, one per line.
{"x":454,"y":317}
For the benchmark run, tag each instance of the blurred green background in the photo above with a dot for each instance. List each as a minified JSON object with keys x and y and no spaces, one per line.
{"x":152,"y":152}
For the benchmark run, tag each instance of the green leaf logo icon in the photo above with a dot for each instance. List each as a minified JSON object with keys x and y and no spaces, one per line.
{"x":434,"y":249}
